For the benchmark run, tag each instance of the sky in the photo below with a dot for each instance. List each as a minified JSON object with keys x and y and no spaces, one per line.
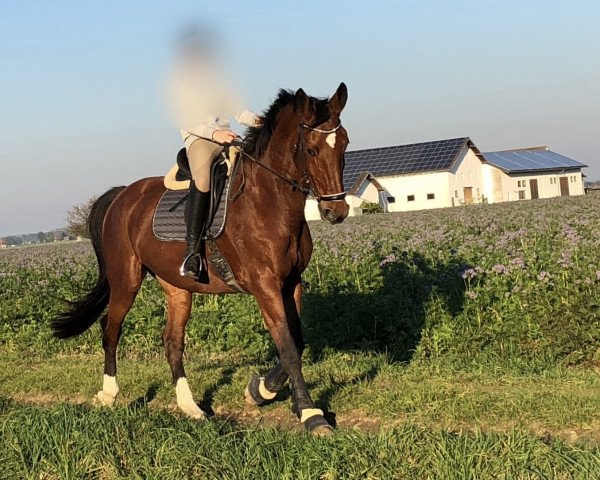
{"x":82,"y":108}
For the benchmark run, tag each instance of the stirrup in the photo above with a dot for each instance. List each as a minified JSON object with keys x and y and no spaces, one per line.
{"x":182,"y":270}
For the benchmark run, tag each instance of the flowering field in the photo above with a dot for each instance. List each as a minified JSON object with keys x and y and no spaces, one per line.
{"x":461,"y":343}
{"x":514,"y":284}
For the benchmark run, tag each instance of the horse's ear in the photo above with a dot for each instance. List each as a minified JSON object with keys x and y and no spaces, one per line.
{"x":338,"y":101}
{"x":301,"y":101}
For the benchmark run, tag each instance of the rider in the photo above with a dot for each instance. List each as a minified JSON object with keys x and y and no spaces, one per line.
{"x":202,"y":104}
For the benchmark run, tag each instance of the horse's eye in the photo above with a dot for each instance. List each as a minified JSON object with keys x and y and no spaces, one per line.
{"x":311,"y":153}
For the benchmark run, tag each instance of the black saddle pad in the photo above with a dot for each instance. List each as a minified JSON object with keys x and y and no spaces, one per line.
{"x":168,"y":223}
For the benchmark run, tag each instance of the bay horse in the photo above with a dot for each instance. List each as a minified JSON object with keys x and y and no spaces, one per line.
{"x":299,"y":147}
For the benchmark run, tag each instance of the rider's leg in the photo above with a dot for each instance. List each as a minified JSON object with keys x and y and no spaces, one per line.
{"x":201,"y":154}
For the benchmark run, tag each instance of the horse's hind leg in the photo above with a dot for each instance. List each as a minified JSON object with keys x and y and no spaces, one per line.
{"x":179,"y":305}
{"x":123,"y":291}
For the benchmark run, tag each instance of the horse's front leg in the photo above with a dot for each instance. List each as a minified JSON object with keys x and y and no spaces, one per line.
{"x":179,"y":305}
{"x":261,"y":390}
{"x":273,"y":308}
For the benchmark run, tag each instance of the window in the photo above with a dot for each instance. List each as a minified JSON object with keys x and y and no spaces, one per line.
{"x":521,"y":183}
{"x":430,"y":196}
{"x":391,"y":199}
{"x":455,"y":193}
{"x":410,"y":198}
{"x":553,"y":181}
{"x":521,"y":194}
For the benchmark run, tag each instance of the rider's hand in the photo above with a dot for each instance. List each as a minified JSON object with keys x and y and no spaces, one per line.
{"x":224,"y":136}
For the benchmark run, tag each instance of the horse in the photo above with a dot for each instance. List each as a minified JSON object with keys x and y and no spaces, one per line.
{"x":298,"y":149}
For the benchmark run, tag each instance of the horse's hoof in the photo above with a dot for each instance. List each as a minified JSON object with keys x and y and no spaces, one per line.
{"x":104,"y":399}
{"x":256,"y":393}
{"x":315,"y":423}
{"x":248,"y":397}
{"x":322,"y":431}
{"x":193,"y":411}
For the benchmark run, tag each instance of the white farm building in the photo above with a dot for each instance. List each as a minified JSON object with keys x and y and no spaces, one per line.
{"x":453,"y":172}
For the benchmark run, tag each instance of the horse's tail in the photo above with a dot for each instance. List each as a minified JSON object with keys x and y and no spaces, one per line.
{"x":86,"y":311}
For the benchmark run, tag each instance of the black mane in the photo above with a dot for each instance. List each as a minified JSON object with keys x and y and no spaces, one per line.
{"x":257,"y":138}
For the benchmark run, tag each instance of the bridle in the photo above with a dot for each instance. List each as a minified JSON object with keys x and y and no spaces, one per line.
{"x":306,"y":178}
{"x":332,"y":197}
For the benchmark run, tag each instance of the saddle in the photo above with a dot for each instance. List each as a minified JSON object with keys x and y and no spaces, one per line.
{"x":168,"y":223}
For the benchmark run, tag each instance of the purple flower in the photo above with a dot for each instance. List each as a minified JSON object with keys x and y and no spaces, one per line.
{"x":565,"y":260}
{"x":544,"y":276}
{"x":468,"y":273}
{"x":391,"y":258}
{"x":517,"y":263}
{"x":499,"y":269}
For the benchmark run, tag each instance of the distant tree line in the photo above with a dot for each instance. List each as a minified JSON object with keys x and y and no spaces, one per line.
{"x":39,"y":237}
{"x":76,"y":227}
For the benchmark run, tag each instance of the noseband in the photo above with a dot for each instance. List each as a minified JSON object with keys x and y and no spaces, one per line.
{"x":332,"y":197}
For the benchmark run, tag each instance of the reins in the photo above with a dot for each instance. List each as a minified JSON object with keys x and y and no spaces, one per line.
{"x":295,"y":185}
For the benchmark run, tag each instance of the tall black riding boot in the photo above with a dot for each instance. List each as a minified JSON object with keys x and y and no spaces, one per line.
{"x":196,"y":214}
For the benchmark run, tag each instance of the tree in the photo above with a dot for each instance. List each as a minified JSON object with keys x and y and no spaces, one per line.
{"x":370,"y":207}
{"x":77,"y":218}
{"x":13,"y":240}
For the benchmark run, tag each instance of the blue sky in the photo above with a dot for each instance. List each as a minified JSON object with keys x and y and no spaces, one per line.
{"x":81,"y":110}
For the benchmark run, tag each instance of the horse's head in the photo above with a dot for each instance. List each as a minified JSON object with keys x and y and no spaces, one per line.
{"x":320,"y":149}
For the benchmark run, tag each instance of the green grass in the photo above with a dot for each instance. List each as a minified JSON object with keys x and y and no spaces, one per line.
{"x":70,"y":441}
{"x":364,"y":391}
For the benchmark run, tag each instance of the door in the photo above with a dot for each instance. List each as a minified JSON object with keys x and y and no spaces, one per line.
{"x":468,"y":194}
{"x":564,"y":186}
{"x":533,"y":186}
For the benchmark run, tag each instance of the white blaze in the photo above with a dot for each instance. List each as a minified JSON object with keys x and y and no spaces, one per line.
{"x":331,"y":139}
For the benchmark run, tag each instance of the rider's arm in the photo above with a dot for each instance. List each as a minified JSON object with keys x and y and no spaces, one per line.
{"x":248,"y":118}
{"x":204,"y":130}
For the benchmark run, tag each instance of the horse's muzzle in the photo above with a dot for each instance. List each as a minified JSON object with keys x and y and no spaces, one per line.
{"x":334,"y":212}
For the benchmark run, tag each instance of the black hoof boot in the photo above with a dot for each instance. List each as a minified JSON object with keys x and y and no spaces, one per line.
{"x":256,"y":393}
{"x":312,"y":418}
{"x":317,"y":425}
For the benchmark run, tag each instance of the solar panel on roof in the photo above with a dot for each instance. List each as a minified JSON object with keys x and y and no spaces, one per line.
{"x":402,"y":159}
{"x":531,"y":160}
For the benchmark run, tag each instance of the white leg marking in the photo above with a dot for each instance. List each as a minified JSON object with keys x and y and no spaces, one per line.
{"x":330,"y":139}
{"x":310,"y":412}
{"x":266,"y":394}
{"x":185,"y":400}
{"x":109,"y":391}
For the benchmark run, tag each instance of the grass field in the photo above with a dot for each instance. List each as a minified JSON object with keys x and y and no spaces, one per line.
{"x":459,"y":343}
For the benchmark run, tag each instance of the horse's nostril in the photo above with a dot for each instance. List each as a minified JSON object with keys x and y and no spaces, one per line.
{"x":330,"y":215}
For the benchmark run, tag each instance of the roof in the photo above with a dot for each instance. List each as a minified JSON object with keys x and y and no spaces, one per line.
{"x":531,"y":160}
{"x":423,"y":157}
{"x":362,"y":178}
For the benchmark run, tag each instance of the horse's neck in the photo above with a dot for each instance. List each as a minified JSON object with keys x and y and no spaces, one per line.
{"x":271,"y":195}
